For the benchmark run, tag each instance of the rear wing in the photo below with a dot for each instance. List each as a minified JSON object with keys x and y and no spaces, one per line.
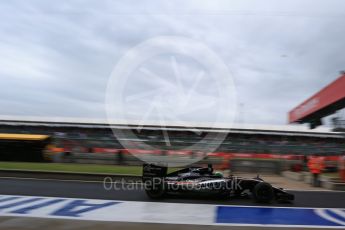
{"x":151,"y":171}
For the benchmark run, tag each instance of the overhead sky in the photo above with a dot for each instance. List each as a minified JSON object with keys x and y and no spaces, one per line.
{"x":56,"y":57}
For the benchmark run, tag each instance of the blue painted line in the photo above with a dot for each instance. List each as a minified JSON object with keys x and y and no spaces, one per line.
{"x":19,"y":203}
{"x":37,"y":206}
{"x":77,"y":207}
{"x":270,"y":216}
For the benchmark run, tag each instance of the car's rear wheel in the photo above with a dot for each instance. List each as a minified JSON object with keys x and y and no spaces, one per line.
{"x":155,"y":192}
{"x":263,"y":192}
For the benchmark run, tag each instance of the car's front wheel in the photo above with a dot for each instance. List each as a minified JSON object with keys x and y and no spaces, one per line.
{"x":263,"y":192}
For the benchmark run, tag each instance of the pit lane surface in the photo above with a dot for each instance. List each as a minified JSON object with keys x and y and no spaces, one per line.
{"x":132,"y":192}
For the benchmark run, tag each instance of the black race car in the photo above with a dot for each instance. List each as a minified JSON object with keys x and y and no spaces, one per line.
{"x":204,"y":181}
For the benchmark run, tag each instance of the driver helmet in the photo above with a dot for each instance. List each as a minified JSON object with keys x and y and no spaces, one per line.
{"x":219,"y":174}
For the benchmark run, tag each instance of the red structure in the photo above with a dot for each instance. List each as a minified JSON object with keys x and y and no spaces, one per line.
{"x":326,"y":102}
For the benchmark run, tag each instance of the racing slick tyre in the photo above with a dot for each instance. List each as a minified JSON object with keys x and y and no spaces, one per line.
{"x":155,"y":192}
{"x":263,"y":192}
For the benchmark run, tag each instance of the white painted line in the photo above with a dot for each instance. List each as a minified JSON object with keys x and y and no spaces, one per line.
{"x":281,"y":226}
{"x":313,"y":190}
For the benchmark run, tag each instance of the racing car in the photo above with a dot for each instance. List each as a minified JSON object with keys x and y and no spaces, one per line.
{"x":204,"y":181}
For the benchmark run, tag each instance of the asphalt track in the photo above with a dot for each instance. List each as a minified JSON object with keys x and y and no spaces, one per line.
{"x":15,"y":223}
{"x":132,"y":192}
{"x":23,"y":223}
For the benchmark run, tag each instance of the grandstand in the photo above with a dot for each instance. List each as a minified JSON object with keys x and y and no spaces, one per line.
{"x":339,"y":121}
{"x":84,"y":135}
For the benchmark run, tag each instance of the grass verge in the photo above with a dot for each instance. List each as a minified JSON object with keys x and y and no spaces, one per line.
{"x":76,"y":168}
